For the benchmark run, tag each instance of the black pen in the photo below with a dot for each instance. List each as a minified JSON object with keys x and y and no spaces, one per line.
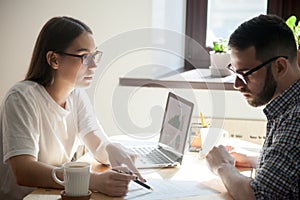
{"x":136,"y":180}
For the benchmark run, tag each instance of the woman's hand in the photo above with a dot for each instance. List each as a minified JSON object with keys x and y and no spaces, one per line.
{"x":111,"y":182}
{"x":119,"y":155}
{"x":115,"y":153}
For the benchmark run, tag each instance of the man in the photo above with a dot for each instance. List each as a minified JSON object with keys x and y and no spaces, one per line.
{"x":264,"y":60}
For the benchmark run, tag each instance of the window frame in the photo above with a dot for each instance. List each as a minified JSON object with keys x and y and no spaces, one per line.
{"x":196,"y":25}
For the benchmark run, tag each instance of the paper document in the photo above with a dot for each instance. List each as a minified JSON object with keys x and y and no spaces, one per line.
{"x":167,"y":189}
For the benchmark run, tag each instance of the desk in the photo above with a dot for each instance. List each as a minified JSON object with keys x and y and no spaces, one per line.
{"x":192,"y":169}
{"x":193,"y":79}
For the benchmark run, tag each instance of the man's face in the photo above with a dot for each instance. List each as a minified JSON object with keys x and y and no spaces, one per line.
{"x":260,"y":86}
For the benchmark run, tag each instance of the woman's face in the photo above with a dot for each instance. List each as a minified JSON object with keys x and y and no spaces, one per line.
{"x":71,"y":71}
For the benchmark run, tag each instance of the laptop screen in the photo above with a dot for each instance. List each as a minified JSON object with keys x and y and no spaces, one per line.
{"x":176,"y":123}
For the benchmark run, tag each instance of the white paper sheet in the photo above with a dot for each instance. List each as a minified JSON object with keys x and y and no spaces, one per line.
{"x":166,"y":189}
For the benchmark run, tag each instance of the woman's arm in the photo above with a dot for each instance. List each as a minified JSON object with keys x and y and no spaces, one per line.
{"x":97,"y":146}
{"x":29,"y":172}
{"x":110,"y":153}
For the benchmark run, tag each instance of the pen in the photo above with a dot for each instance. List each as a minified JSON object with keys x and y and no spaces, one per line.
{"x":202,"y":120}
{"x":136,"y":180}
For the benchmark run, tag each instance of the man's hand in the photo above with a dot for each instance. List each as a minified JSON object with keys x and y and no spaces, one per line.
{"x":242,"y":159}
{"x":217,"y":157}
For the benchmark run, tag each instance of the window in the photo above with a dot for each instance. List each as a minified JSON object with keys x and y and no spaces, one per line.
{"x":224,"y":16}
{"x":203,"y":19}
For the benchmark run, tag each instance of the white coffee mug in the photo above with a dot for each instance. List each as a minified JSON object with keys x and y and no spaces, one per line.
{"x":76,"y":178}
{"x":212,"y":137}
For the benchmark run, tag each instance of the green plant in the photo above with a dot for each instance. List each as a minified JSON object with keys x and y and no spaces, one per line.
{"x":292,"y":23}
{"x":220,"y":46}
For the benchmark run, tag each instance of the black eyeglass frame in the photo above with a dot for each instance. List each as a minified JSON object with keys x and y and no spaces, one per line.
{"x":83,"y":57}
{"x":244,"y":75}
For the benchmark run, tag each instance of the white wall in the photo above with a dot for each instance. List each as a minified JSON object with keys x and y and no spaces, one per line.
{"x":21,"y":22}
{"x":122,"y":28}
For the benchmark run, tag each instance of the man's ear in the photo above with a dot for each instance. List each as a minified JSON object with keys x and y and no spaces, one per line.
{"x":280,"y":68}
{"x":52,"y":59}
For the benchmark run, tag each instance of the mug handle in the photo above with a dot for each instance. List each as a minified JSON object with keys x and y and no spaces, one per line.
{"x":57,"y":180}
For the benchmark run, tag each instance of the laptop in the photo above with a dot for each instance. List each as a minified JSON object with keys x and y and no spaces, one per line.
{"x":173,"y":136}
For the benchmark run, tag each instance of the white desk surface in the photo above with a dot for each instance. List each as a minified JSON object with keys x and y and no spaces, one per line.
{"x":192,"y":169}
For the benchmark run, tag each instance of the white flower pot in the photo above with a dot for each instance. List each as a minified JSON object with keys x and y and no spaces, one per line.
{"x":219,"y":63}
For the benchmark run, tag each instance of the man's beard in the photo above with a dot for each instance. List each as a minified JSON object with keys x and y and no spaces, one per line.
{"x":266,"y":95}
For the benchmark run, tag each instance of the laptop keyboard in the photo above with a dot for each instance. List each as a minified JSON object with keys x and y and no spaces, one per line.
{"x":150,"y":155}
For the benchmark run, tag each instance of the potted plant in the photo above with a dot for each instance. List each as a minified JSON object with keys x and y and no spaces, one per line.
{"x":295,"y":27}
{"x":219,"y":58}
{"x":220,"y":46}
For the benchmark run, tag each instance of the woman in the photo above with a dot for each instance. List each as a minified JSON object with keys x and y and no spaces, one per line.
{"x":44,"y":117}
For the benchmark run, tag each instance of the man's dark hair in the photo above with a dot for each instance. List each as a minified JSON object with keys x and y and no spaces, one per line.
{"x":270,"y":36}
